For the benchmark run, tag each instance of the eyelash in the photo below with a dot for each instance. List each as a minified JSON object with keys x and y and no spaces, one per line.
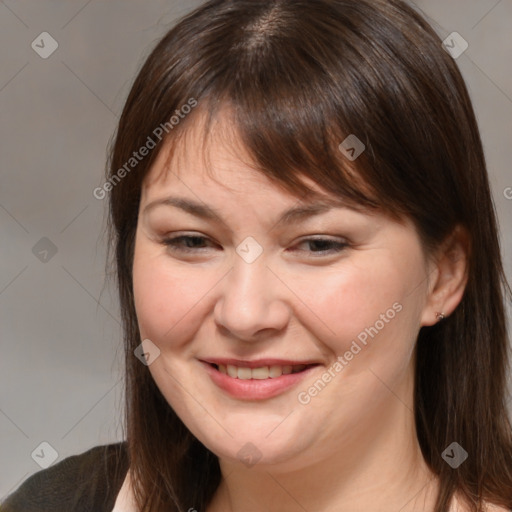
{"x":173,"y":244}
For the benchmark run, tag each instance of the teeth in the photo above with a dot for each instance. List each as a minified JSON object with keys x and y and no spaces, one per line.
{"x":262,"y":373}
{"x":244,"y":373}
{"x":258,"y":373}
{"x":275,"y":371}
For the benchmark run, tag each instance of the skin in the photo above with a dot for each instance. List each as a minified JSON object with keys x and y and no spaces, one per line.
{"x":353,"y":446}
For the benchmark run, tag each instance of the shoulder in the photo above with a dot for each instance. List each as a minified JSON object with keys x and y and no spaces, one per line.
{"x":88,"y":481}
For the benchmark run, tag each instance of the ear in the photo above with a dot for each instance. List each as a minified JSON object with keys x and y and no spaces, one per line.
{"x":448,"y":276}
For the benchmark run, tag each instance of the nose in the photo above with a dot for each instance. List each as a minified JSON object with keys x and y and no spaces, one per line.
{"x":252,"y":301}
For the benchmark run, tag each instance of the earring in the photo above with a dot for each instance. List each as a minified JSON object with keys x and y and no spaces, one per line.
{"x":440,"y":316}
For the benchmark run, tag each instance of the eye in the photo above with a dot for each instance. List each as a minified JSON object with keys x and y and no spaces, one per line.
{"x":186,"y":243}
{"x":195,"y":243}
{"x":323,"y":246}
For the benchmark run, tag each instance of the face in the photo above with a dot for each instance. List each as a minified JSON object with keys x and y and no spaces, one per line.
{"x":333,"y":295}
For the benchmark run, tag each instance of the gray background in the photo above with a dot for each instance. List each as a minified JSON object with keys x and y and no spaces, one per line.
{"x":59,"y":325}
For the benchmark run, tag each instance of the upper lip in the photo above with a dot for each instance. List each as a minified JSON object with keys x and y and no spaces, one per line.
{"x":256,"y":363}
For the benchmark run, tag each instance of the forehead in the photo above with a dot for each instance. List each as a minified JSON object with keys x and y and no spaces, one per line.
{"x":211,"y":155}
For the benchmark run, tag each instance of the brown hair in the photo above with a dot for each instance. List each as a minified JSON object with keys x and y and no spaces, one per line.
{"x":301,"y":76}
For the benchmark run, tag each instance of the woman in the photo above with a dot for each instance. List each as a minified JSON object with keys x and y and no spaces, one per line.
{"x":309,"y":269}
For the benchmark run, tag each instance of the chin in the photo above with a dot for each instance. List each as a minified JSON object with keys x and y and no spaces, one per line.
{"x":258,"y":448}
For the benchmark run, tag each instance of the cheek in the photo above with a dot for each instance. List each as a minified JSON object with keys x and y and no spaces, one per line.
{"x":367,"y":318}
{"x":165,"y":297}
{"x":349,"y":298}
{"x":368,"y":310}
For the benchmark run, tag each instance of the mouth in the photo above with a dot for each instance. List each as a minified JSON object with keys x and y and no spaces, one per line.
{"x":255,"y":380}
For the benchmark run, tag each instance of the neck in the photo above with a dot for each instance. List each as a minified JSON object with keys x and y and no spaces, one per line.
{"x":377,"y":466}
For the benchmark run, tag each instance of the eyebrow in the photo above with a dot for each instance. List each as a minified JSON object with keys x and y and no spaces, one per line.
{"x":295,"y":214}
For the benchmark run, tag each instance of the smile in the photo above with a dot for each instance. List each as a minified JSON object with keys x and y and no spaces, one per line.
{"x":257,"y":382}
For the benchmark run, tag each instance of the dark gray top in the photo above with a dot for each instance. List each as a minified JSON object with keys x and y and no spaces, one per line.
{"x":89,"y":482}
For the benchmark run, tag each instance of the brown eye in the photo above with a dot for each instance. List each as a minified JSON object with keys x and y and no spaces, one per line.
{"x":186,"y":243}
{"x":322,"y":246}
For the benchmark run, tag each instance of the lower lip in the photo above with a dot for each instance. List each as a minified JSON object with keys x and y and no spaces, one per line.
{"x":255,"y":389}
